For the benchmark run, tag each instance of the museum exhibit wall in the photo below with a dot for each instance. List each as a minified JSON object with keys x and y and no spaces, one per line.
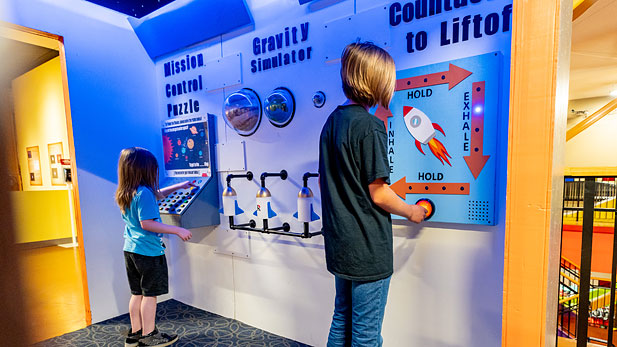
{"x":589,"y":148}
{"x":113,"y":105}
{"x":41,"y":211}
{"x":447,"y":286}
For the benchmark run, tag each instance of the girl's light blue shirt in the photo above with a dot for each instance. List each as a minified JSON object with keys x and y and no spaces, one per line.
{"x":136,"y":239}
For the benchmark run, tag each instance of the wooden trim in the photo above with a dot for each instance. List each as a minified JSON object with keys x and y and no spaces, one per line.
{"x":589,"y":121}
{"x":27,"y":30}
{"x":538,"y":103}
{"x":5,"y":28}
{"x":581,"y":8}
{"x":76,"y":202}
{"x":591,"y":171}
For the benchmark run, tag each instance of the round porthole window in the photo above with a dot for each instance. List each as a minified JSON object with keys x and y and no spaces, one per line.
{"x":280,"y":107}
{"x":242,"y":110}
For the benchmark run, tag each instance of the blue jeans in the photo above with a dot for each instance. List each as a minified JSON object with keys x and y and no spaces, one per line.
{"x":358,"y":313}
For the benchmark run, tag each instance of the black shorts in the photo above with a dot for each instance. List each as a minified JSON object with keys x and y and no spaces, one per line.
{"x":147,"y":275}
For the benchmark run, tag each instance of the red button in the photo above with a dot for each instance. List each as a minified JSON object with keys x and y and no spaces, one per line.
{"x":428,"y":205}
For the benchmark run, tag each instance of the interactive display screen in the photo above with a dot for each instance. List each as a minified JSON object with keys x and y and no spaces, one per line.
{"x":186,"y":147}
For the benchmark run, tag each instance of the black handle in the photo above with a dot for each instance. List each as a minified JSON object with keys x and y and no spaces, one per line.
{"x":283,"y":175}
{"x":248,"y":175}
{"x":308,"y":175}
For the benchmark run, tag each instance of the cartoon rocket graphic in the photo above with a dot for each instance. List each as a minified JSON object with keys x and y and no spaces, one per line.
{"x":423,"y":131}
{"x":305,"y":206}
{"x":264,"y":204}
{"x":230,"y":203}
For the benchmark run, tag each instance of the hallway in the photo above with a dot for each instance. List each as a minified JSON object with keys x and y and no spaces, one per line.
{"x":52,"y":291}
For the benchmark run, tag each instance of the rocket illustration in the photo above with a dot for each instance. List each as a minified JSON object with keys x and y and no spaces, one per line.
{"x":423,"y":131}
{"x":230,"y":203}
{"x":305,"y":206}
{"x":264,"y":204}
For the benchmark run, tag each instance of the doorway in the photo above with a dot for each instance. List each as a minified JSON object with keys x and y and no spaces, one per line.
{"x":36,"y":126}
{"x":588,"y":265}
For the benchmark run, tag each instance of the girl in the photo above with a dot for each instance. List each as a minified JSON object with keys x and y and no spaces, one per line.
{"x":144,"y":251}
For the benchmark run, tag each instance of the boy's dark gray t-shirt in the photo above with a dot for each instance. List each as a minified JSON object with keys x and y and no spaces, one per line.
{"x":357,"y":233}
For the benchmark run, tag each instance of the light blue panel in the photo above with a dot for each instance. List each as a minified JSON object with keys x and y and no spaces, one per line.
{"x":194,"y":22}
{"x":451,"y":109}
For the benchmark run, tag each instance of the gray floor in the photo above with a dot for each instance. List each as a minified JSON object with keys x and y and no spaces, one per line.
{"x":196,"y":328}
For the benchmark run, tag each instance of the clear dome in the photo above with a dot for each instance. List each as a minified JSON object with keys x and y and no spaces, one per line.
{"x":242,"y":110}
{"x":280,"y":107}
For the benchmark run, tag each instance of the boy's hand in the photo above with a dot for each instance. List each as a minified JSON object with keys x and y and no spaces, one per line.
{"x":184,"y":234}
{"x":416,"y":213}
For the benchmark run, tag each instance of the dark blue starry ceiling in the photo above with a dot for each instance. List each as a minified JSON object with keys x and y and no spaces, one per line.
{"x":134,"y":8}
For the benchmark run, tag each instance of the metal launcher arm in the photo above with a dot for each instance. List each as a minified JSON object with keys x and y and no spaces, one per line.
{"x":248,"y":175}
{"x":306,"y":233}
{"x":285,"y":228}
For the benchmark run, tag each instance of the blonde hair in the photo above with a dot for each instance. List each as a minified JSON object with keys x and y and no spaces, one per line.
{"x":368,"y":74}
{"x":136,"y":167}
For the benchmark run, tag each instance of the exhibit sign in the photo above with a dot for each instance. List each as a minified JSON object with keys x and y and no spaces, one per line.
{"x":442,"y":127}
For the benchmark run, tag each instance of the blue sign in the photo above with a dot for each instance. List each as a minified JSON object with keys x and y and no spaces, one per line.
{"x":442,"y":127}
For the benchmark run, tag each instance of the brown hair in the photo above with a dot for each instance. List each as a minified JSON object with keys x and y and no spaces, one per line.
{"x":368,"y":74}
{"x":136,"y":167}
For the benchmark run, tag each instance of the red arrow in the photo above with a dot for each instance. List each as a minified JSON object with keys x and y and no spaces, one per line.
{"x":402,"y":188}
{"x":452,"y":77}
{"x":476,"y":158}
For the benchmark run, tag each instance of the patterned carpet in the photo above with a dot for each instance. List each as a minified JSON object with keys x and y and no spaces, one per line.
{"x":197,"y":328}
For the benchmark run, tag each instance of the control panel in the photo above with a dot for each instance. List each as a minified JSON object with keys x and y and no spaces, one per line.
{"x":189,"y":153}
{"x":178,"y":201}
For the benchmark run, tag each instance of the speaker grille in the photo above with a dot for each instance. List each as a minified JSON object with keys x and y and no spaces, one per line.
{"x":480,"y":212}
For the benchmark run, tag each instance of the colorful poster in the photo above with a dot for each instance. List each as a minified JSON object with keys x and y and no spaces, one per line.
{"x":185,"y":147}
{"x":442,"y":127}
{"x":34,"y":166}
{"x":55,"y":151}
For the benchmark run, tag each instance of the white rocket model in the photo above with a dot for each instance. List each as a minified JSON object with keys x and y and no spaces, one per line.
{"x":264,"y":204}
{"x":305,"y":206}
{"x":230,"y":203}
{"x":419,"y":125}
{"x":423,"y":131}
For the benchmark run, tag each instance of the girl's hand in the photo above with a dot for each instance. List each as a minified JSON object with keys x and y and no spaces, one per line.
{"x":185,"y":185}
{"x":184,"y":234}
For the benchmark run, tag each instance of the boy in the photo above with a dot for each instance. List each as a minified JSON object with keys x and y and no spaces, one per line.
{"x":357,"y":200}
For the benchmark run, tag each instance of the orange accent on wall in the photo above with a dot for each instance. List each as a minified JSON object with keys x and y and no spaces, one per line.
{"x":538,"y":103}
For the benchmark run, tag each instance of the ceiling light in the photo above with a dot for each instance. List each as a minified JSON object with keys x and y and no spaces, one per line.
{"x":614,"y":93}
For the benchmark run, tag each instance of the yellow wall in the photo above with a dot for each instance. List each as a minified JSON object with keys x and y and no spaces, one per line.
{"x":40,"y":118}
{"x":40,"y":212}
{"x":41,"y":215}
{"x":594,"y":147}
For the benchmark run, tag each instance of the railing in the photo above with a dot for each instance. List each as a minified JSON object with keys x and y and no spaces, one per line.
{"x":568,"y":298}
{"x":599,"y":300}
{"x":586,"y":301}
{"x":606,"y":190}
